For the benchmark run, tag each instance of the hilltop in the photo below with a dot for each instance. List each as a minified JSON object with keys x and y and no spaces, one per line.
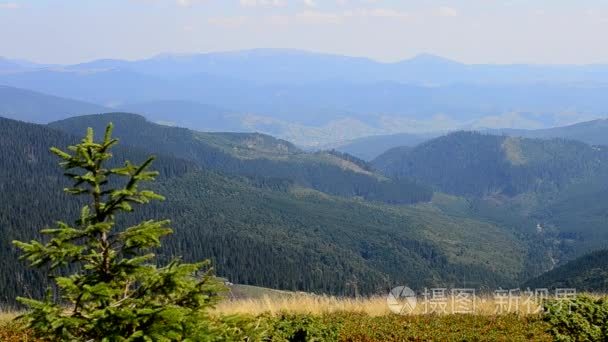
{"x":31,"y":106}
{"x":475,"y":164}
{"x":255,"y":155}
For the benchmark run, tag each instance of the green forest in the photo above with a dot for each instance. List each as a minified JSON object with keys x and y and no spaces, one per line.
{"x":260,"y":231}
{"x":337,"y":226}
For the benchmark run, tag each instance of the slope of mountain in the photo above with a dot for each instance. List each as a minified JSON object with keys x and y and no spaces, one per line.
{"x":107,"y":87}
{"x":553,"y":191}
{"x":593,"y":132}
{"x":190,"y":114}
{"x":587,"y":273}
{"x":7,"y":65}
{"x":322,"y":102}
{"x":255,"y":155}
{"x":474,"y":164}
{"x":19,"y":65}
{"x":368,"y":148}
{"x":267,"y":234}
{"x":21,"y":104}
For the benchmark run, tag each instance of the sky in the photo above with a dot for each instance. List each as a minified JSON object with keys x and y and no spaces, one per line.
{"x":470,"y":31}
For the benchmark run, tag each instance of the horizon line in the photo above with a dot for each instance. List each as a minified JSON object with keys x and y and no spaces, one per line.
{"x":421,"y":55}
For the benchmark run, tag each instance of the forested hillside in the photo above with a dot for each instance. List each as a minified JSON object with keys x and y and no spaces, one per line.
{"x":256,"y":155}
{"x":31,"y":186}
{"x":553,"y":191}
{"x":587,"y":273}
{"x":258,"y":230}
{"x":593,"y":132}
{"x":475,"y":164}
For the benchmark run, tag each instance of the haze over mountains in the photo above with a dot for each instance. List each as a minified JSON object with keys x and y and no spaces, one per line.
{"x":501,"y":211}
{"x":317,"y":99}
{"x":352,"y":168}
{"x":592,"y":132}
{"x":294,"y":66}
{"x":32,"y":106}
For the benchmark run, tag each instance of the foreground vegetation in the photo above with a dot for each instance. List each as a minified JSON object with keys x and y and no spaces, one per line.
{"x":280,"y":316}
{"x":349,"y":326}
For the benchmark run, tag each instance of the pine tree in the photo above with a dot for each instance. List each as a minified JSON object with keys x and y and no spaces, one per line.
{"x":107,"y":284}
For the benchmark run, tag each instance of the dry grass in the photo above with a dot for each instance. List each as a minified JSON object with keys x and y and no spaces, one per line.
{"x":370,"y":319}
{"x":7,"y":316}
{"x":11,"y":331}
{"x":304,"y":304}
{"x":373,"y":306}
{"x":301,"y":303}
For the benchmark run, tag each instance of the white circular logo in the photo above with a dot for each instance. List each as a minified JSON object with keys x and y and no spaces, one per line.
{"x":401,"y":300}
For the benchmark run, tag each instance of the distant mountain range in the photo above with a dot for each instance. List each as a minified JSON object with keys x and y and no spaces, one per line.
{"x":25,"y":105}
{"x":280,"y":66}
{"x":316,"y":99}
{"x":188,"y":114}
{"x":19,"y":65}
{"x":593,"y":132}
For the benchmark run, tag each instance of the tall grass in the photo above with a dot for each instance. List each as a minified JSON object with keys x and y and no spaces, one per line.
{"x":304,"y":304}
{"x":300,"y":303}
{"x":6,"y":316}
{"x":372,"y":306}
{"x":11,"y":331}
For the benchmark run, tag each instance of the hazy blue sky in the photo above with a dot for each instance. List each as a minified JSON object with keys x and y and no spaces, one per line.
{"x":474,"y":31}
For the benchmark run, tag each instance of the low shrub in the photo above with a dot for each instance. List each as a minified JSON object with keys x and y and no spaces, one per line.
{"x":300,"y":328}
{"x":581,"y":319}
{"x":456,"y":327}
{"x":12,"y":331}
{"x":358,"y":327}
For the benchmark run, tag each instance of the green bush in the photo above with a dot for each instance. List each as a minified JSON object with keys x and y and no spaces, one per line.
{"x":581,"y":319}
{"x":300,"y":328}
